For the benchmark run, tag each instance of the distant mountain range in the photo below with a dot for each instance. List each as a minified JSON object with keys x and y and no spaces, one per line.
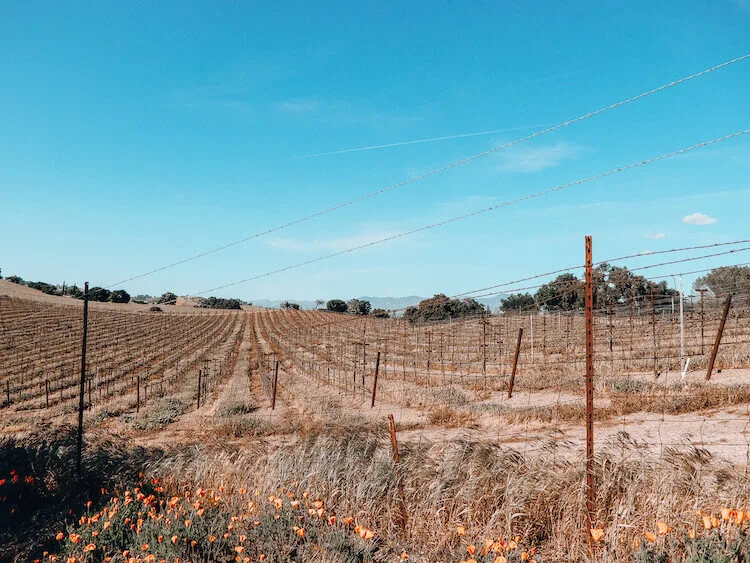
{"x":387,"y":303}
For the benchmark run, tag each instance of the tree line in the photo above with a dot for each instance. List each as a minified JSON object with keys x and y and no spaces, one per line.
{"x":612,"y":285}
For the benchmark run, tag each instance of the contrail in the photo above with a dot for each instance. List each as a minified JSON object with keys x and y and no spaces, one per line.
{"x":416,"y":141}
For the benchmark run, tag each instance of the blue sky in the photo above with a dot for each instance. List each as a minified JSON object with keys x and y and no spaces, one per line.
{"x":131,"y":137}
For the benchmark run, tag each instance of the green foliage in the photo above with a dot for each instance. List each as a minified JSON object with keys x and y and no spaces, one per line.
{"x":336,"y":306}
{"x":47,"y":492}
{"x":119,"y":296}
{"x":288,"y":305}
{"x":155,"y":309}
{"x":75,"y":291}
{"x":615,"y":284}
{"x":358,"y":307}
{"x":165,"y":412}
{"x":219,"y":303}
{"x":99,"y":294}
{"x":380,"y":313}
{"x":16,"y":280}
{"x":612,"y":284}
{"x":518,"y":301}
{"x":720,"y":281}
{"x":564,"y":293}
{"x":719,"y":545}
{"x":440,"y":308}
{"x":44,"y":287}
{"x":167,"y":298}
{"x":220,"y":530}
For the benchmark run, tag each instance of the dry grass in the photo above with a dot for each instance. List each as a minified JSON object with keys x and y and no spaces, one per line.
{"x":451,"y":418}
{"x":490,"y":490}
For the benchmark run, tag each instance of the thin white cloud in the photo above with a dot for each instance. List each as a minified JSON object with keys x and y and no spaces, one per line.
{"x":299,"y":106}
{"x":655,"y":236}
{"x":699,"y":219}
{"x":539,"y":158}
{"x":285,"y":244}
{"x":415,"y":141}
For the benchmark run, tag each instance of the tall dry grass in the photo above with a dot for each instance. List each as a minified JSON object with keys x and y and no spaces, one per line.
{"x":490,"y":490}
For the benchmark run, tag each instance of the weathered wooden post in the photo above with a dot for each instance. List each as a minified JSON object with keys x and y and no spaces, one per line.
{"x":515,"y":363}
{"x":275,"y":383}
{"x":82,"y":387}
{"x":399,"y":481}
{"x":375,"y":380}
{"x":719,"y":333}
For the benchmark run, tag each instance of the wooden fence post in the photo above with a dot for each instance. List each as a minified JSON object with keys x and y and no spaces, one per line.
{"x":82,"y":387}
{"x":717,"y":341}
{"x":275,"y":383}
{"x":399,"y":480}
{"x":200,"y":375}
{"x":515,"y":364}
{"x":375,"y":380}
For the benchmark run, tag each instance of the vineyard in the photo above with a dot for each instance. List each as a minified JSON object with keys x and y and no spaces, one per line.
{"x":226,"y":381}
{"x":435,"y":376}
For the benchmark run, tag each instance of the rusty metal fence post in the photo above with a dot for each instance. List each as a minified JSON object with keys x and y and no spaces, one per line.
{"x":590,"y":478}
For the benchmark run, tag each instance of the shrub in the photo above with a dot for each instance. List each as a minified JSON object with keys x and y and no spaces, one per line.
{"x":288,"y":305}
{"x":44,"y":287}
{"x":99,"y":294}
{"x":164,"y":412}
{"x":358,"y":307}
{"x":441,"y":307}
{"x":167,"y":298}
{"x":518,"y":301}
{"x":336,"y":306}
{"x":119,"y":296}
{"x":380,"y":313}
{"x":219,"y":303}
{"x":155,"y":309}
{"x":235,"y":409}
